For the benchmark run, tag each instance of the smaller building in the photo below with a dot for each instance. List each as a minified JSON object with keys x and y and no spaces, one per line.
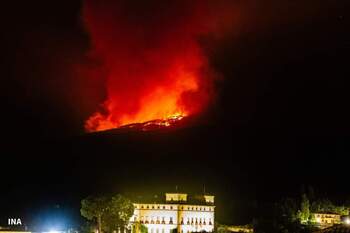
{"x":327,"y":219}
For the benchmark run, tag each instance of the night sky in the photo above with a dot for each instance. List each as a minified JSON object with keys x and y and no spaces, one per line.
{"x":279,"y":121}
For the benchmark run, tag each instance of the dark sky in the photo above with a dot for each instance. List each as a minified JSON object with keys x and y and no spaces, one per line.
{"x":280,"y":120}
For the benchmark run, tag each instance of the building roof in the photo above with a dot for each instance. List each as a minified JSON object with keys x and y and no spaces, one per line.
{"x":160,"y":199}
{"x":329,"y":213}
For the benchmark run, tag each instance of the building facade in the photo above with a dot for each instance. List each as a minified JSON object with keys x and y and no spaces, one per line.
{"x":176,"y":213}
{"x":327,"y":219}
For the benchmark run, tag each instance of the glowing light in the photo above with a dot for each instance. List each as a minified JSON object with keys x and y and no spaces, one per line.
{"x":347,"y":221}
{"x":54,"y":231}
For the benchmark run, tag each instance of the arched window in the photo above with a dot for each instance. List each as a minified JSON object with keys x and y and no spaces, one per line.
{"x":171,"y":220}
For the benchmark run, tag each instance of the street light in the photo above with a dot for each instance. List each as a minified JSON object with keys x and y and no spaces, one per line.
{"x":54,"y":231}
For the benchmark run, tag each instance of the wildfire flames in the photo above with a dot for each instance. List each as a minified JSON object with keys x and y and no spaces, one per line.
{"x":150,"y":59}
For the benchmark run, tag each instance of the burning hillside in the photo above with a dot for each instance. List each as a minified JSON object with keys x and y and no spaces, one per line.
{"x":153,"y":66}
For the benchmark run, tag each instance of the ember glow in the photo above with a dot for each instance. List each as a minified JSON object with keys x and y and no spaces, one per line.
{"x":150,"y":59}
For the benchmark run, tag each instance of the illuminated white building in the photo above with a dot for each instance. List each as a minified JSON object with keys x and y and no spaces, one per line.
{"x":177,"y":212}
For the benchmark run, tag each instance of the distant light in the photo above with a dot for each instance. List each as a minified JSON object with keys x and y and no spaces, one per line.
{"x":347,"y":221}
{"x":53,"y":231}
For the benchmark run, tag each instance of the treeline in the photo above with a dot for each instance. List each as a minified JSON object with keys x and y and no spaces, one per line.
{"x":294,"y":215}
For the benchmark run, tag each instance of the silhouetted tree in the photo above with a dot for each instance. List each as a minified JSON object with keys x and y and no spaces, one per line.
{"x":94,"y":208}
{"x":304,"y":212}
{"x":110,"y":213}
